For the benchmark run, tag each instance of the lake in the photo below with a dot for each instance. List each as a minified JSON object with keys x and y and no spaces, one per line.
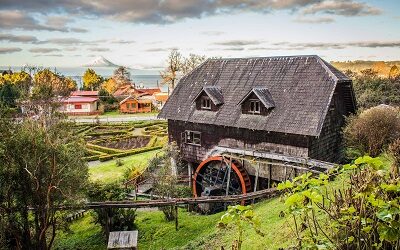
{"x":144,"y":78}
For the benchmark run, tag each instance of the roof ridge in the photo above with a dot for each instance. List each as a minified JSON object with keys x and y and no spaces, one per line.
{"x":260,"y":57}
{"x":328,"y":70}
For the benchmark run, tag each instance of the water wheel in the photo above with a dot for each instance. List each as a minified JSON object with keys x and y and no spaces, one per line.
{"x":214,"y":174}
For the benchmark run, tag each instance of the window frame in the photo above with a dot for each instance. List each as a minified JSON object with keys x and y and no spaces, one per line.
{"x":254,"y":103}
{"x":191,"y":137}
{"x":205,"y":103}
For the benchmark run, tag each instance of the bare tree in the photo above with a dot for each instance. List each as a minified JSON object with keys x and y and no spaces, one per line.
{"x":170,"y":74}
{"x":191,"y":62}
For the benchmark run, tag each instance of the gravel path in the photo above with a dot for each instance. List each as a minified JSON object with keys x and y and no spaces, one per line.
{"x":114,"y":119}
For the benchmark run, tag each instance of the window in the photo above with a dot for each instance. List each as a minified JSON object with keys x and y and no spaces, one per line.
{"x":78,"y":106}
{"x":205,"y":103}
{"x":191,"y":137}
{"x":127,"y":106}
{"x":255,"y":107}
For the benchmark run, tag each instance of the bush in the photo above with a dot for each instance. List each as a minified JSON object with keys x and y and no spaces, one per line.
{"x":103,"y":149}
{"x":363,"y":213}
{"x":373,"y":130}
{"x":119,"y":219}
{"x":394,"y":152}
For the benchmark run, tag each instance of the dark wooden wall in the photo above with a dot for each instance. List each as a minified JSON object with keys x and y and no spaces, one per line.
{"x":329,"y":145}
{"x":212,"y":136}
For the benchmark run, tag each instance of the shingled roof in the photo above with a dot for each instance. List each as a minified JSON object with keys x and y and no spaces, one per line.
{"x":264,"y":95}
{"x":301,"y":88}
{"x":214,"y":93}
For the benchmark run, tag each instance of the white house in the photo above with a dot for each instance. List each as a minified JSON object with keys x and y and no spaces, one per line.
{"x":79,"y":105}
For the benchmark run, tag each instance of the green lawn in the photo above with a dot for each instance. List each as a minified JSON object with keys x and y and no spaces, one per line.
{"x":109,"y":171}
{"x":84,"y":235}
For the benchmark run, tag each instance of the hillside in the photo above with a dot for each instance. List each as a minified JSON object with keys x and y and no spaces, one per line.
{"x":382,"y":67}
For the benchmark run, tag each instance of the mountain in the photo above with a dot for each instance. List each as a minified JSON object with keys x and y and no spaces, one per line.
{"x":100,"y":62}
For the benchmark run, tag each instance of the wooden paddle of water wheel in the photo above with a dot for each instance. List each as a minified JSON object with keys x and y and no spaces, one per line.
{"x":219,"y":176}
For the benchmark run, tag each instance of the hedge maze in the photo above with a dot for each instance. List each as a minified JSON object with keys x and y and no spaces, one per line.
{"x":108,"y":141}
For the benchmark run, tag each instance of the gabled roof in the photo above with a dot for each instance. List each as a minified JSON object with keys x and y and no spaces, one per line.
{"x":85,"y":93}
{"x":214,"y":93}
{"x":150,"y":91}
{"x":123,"y":90}
{"x":301,"y":86}
{"x":79,"y":99}
{"x":263,"y":95}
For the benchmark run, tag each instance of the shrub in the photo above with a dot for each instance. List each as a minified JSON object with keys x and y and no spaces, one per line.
{"x":111,"y":219}
{"x":394,"y":151}
{"x":119,"y":162}
{"x":373,"y":130}
{"x":363,"y":213}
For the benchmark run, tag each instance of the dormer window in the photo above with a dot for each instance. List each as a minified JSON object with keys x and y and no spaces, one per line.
{"x":209,"y":98}
{"x":205,"y":103}
{"x":257,"y":101}
{"x":255,"y":107}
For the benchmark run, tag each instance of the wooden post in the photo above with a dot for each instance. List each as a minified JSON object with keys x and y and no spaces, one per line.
{"x":229,"y":176}
{"x":176,"y":218}
{"x":285,"y":173}
{"x":270,"y":175}
{"x":256,"y":180}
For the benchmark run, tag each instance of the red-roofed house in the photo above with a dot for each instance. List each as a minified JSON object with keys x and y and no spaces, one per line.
{"x":79,"y":105}
{"x":86,"y":93}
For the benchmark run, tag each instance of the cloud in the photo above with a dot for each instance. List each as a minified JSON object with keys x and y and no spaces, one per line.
{"x":160,"y":49}
{"x":170,"y":11}
{"x":238,"y":42}
{"x":79,"y":30}
{"x":342,"y":8}
{"x":68,"y":41}
{"x":49,"y":55}
{"x":317,"y":20}
{"x":18,"y":39}
{"x":9,"y":50}
{"x":99,"y":49}
{"x":327,"y":45}
{"x":43,"y":50}
{"x":15,"y":19}
{"x":121,"y":41}
{"x":212,"y":33}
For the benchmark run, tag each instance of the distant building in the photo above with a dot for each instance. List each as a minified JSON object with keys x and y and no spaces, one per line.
{"x":161,"y":98}
{"x":136,"y":104}
{"x":86,"y":93}
{"x":79,"y":105}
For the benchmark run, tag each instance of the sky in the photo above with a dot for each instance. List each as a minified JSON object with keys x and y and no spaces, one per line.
{"x":141,"y":33}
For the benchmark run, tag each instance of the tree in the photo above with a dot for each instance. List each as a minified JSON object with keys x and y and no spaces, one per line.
{"x":110,"y":85}
{"x":122,"y":76}
{"x":373,"y":130}
{"x":42,"y":168}
{"x":49,"y":84}
{"x":394,"y":73}
{"x":21,"y":80}
{"x":191,"y":62}
{"x":91,"y":80}
{"x":170,"y":74}
{"x":8,"y":94}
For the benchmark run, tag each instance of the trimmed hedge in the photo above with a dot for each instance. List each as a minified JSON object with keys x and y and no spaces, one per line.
{"x":107,"y":133}
{"x":103,"y":149}
{"x":128,"y":153}
{"x":91,"y":158}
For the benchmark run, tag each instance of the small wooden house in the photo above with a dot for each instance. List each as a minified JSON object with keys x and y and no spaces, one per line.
{"x":79,"y":105}
{"x":136,"y":104}
{"x":286,"y":108}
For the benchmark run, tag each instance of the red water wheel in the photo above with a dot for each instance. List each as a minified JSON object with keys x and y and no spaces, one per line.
{"x":214,"y":174}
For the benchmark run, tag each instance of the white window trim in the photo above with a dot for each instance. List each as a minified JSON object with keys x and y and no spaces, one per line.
{"x":259,"y":106}
{"x":187,"y":133}
{"x":205,"y":100}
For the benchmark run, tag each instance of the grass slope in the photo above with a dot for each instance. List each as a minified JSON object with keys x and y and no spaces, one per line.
{"x":109,"y":171}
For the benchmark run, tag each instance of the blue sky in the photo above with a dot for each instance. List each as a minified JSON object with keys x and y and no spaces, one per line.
{"x":141,"y":33}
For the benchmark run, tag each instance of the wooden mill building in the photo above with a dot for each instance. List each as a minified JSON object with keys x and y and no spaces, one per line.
{"x":283,"y":108}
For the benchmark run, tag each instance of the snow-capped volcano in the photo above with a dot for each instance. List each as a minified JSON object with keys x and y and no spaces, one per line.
{"x":100,"y":62}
